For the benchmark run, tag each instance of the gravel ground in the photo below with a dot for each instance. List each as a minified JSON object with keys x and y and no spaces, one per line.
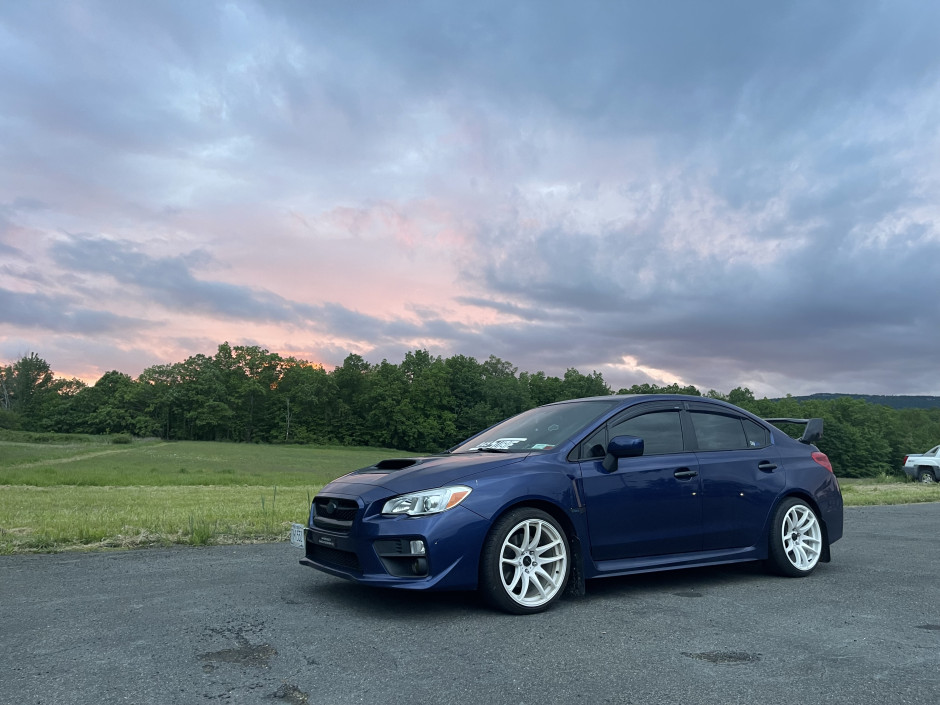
{"x":247,"y":624}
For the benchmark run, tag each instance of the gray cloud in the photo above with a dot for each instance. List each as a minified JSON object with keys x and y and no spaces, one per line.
{"x":169,"y":281}
{"x":718,"y":191}
{"x":60,"y":314}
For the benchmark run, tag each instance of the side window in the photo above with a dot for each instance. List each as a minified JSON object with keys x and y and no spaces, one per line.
{"x":595,"y":446}
{"x":757,"y":435}
{"x":718,"y":432}
{"x":661,"y":431}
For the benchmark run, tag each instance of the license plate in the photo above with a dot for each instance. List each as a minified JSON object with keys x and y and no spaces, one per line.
{"x":297,"y":535}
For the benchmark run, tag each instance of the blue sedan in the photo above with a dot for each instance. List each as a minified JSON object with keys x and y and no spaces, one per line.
{"x":583,"y":489}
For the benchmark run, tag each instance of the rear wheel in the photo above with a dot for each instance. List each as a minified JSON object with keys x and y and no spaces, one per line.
{"x":525,"y":562}
{"x":925,"y":475}
{"x":795,"y":539}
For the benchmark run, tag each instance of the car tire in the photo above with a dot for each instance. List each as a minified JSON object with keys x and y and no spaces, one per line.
{"x":796,"y":539}
{"x":926,"y":476}
{"x":525,"y":563}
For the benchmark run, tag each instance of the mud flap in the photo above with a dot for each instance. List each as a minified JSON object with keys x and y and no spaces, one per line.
{"x":576,"y":587}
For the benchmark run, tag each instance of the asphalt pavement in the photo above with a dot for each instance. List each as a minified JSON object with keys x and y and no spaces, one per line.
{"x":247,"y":624}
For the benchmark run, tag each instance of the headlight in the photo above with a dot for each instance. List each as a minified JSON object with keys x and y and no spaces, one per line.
{"x":419,"y":504}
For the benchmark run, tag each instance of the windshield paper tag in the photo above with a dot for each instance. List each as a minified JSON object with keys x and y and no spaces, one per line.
{"x":500,"y":443}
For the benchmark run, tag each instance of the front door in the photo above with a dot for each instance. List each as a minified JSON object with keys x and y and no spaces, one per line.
{"x":649,"y":505}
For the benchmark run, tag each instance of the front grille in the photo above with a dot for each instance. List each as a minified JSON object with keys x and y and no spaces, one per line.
{"x":333,"y":556}
{"x":334,"y":514}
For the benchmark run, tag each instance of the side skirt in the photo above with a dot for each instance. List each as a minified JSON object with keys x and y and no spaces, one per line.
{"x":651,"y":564}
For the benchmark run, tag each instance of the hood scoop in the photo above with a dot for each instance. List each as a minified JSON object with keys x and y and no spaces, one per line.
{"x":396,"y":463}
{"x":388,"y":466}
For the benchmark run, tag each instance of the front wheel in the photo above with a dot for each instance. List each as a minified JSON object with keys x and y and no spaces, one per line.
{"x":795,"y":539}
{"x":925,"y":476}
{"x":524,"y":565}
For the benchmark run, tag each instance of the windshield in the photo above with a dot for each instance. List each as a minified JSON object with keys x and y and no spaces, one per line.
{"x":542,"y":428}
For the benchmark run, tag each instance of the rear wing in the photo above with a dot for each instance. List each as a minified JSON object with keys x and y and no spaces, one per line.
{"x":813,"y":432}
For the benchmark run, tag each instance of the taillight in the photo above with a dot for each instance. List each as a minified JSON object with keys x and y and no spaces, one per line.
{"x":905,"y":459}
{"x":823,"y":460}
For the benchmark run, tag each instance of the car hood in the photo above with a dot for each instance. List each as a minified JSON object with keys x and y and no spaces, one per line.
{"x":401,"y":475}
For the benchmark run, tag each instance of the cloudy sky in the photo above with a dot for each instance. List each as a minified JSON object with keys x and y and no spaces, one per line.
{"x":711,"y":193}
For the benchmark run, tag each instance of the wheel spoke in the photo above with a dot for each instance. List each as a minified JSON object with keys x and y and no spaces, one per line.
{"x":540,"y":550}
{"x":515,"y":549}
{"x":799,"y":556}
{"x":517,"y":576}
{"x":534,"y":540}
{"x":524,"y":590}
{"x":544,"y":576}
{"x":535,"y":579}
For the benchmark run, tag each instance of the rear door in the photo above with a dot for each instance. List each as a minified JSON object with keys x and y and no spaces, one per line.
{"x":741,"y":476}
{"x":649,"y":505}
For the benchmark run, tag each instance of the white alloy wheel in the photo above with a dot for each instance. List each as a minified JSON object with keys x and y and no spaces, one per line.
{"x":533,"y":563}
{"x":802,"y":537}
{"x":796,"y":541}
{"x":926,"y":476}
{"x":525,"y":564}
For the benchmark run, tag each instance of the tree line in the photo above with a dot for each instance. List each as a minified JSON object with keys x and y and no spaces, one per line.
{"x":423,"y":404}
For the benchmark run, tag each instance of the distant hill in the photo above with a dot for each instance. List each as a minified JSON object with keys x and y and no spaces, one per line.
{"x":895,"y":402}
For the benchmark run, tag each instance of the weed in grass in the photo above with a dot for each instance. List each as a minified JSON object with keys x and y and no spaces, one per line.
{"x":268,"y":519}
{"x":202,"y":531}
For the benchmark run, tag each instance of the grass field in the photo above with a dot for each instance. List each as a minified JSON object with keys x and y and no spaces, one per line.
{"x":83,"y":492}
{"x":86,"y":493}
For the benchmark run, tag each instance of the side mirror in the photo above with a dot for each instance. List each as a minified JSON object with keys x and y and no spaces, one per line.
{"x":622,"y":447}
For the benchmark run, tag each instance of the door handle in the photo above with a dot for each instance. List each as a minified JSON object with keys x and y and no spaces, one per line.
{"x":684,"y":474}
{"x":766,"y":466}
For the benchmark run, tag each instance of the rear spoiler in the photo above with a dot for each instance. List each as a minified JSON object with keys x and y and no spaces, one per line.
{"x":813,"y":432}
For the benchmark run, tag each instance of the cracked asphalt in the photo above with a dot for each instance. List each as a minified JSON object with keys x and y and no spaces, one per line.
{"x":247,"y":624}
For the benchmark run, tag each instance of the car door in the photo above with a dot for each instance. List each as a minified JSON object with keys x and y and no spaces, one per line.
{"x":741,"y":476}
{"x":648,"y":505}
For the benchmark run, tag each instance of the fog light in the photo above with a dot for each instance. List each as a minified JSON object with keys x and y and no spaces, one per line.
{"x":417,"y":548}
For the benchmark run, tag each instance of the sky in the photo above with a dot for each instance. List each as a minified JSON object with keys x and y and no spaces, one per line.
{"x":718,"y":193}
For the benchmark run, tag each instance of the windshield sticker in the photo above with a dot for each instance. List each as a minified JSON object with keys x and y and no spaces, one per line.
{"x":542,"y":446}
{"x":499,"y":443}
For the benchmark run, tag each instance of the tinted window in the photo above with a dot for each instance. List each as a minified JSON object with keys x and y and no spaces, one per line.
{"x":757,"y":435}
{"x":661,"y":431}
{"x":595,"y":446}
{"x":718,"y":432}
{"x":542,"y":428}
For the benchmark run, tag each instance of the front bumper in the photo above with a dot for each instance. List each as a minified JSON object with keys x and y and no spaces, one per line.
{"x":377,"y":550}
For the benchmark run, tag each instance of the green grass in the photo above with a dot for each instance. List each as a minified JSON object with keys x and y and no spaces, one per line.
{"x":862,"y":493}
{"x":85,"y":492}
{"x":80,"y":495}
{"x":155,"y":464}
{"x":56,"y":518}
